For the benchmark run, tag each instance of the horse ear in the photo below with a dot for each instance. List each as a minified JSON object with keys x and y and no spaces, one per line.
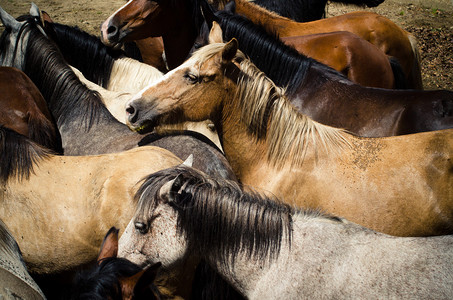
{"x":189,"y":161}
{"x":215,"y":35}
{"x":46,"y":17}
{"x":35,"y":12}
{"x":229,"y":51}
{"x":147,"y":278}
{"x":172,"y":187}
{"x":208,"y":13}
{"x":138,"y":282}
{"x":109,"y":246}
{"x":9,"y":21}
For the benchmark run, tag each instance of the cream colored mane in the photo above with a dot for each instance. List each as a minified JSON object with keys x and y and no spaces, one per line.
{"x":121,"y":77}
{"x":270,"y":116}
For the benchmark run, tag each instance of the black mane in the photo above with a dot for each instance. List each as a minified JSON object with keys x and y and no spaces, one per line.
{"x":102,"y":281}
{"x":219,"y":217}
{"x":284,"y":65}
{"x":67,"y":97}
{"x":308,"y":10}
{"x":84,"y":51}
{"x":18,"y":155}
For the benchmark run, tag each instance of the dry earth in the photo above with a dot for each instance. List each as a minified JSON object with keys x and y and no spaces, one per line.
{"x":431,"y":21}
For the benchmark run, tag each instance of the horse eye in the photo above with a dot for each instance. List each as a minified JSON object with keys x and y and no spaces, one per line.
{"x":141,"y":227}
{"x":191,"y":77}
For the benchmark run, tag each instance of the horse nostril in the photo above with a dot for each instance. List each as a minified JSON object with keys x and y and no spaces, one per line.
{"x":112,"y":31}
{"x":131,"y":113}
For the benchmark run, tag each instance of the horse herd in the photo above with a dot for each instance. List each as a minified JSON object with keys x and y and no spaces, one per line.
{"x":315,"y":165}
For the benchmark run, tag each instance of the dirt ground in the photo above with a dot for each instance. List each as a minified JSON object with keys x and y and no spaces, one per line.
{"x":431,"y":21}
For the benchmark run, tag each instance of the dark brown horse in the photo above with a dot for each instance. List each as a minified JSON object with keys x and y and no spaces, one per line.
{"x":342,"y":51}
{"x":329,"y":98}
{"x":24,"y":110}
{"x":377,"y":29}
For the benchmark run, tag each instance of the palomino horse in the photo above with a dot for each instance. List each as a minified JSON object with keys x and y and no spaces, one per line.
{"x":329,"y":98}
{"x":115,"y":278}
{"x":378,"y":30}
{"x":278,"y":150}
{"x":24,"y":110}
{"x":340,"y":50}
{"x":15,"y":281}
{"x":301,"y":10}
{"x":270,"y":250}
{"x":85,"y":125}
{"x":118,"y":74}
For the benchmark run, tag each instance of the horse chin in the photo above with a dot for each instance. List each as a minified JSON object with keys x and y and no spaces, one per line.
{"x":143,"y":128}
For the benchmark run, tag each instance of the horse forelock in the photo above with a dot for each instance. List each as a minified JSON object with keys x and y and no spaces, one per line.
{"x":67,"y":97}
{"x":220,"y":216}
{"x":18,"y":155}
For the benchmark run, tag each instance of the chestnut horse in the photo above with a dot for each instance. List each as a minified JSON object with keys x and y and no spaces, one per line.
{"x":342,"y":51}
{"x":270,"y":250}
{"x":405,"y":181}
{"x":300,"y":10}
{"x":378,"y":30}
{"x":328,"y":97}
{"x":24,"y":110}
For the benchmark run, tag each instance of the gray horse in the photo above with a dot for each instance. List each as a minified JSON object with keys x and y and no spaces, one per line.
{"x":15,"y":282}
{"x":270,"y":250}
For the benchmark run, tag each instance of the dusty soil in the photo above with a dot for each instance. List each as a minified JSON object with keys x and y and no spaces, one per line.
{"x":431,"y":21}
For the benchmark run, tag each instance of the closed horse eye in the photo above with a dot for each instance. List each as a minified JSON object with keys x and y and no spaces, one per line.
{"x":141,"y":227}
{"x":191,"y":77}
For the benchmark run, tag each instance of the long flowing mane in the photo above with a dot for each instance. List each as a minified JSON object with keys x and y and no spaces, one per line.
{"x":67,"y":97}
{"x":219,"y":213}
{"x":282,"y":63}
{"x":18,"y":155}
{"x":269,"y":115}
{"x":223,"y":217}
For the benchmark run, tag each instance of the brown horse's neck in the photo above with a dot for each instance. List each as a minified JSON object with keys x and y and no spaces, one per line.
{"x":177,"y":45}
{"x":259,"y":15}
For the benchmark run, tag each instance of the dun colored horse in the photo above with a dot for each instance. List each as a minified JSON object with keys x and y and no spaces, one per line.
{"x":342,"y":51}
{"x":270,"y":250}
{"x":24,"y":110}
{"x":378,"y":30}
{"x":62,"y":225}
{"x":405,"y":181}
{"x":15,"y":281}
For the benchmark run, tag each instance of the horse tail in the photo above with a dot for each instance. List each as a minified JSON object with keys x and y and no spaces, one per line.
{"x":415,"y":77}
{"x":398,"y":74}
